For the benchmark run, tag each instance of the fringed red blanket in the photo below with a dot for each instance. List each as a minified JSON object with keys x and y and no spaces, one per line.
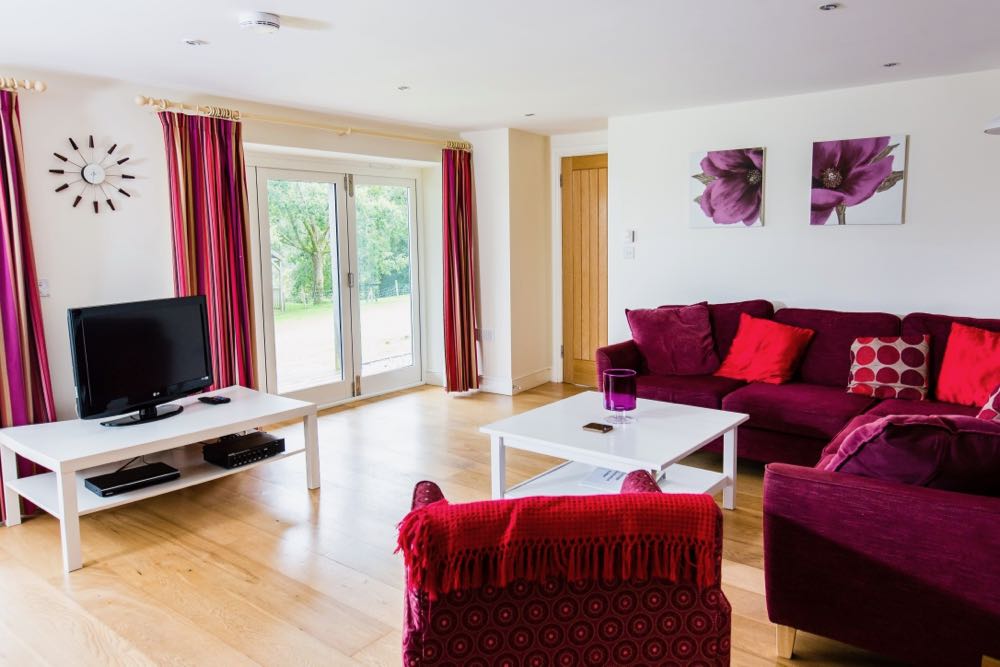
{"x":603,"y":537}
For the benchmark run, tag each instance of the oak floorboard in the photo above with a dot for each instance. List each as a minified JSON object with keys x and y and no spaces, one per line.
{"x":255,"y":569}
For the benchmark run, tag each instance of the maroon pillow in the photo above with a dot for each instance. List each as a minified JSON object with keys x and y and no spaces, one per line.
{"x":675,"y":341}
{"x":955,"y":452}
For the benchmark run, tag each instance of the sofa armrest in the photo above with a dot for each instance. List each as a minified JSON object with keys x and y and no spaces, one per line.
{"x":620,"y":355}
{"x":908,"y":571}
{"x":640,"y":481}
{"x":425,"y":493}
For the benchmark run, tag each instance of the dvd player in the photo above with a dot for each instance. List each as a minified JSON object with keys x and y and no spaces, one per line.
{"x":130,"y":479}
{"x":240,"y":450}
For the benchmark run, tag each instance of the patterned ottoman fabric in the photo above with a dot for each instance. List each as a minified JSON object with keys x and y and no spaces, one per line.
{"x":890,"y":367}
{"x":559,"y":624}
{"x":991,"y":410}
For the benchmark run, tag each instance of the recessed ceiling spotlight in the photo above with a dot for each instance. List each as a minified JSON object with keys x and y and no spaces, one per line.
{"x":194,"y":42}
{"x":262,"y":23}
{"x":829,"y":7}
{"x":402,"y":89}
{"x":890,"y":64}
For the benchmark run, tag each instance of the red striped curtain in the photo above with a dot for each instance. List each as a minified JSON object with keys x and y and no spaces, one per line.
{"x":459,"y":238}
{"x":25,"y":387}
{"x":211,"y":230}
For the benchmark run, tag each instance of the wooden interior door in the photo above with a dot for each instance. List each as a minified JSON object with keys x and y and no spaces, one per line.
{"x":584,"y":183}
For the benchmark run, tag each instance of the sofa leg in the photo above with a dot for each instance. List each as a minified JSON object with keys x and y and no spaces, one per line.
{"x":784,"y":640}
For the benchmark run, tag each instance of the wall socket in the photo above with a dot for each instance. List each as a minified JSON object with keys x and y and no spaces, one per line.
{"x":486,"y":335}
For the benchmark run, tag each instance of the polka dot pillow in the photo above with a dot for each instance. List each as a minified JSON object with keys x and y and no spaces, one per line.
{"x":890,"y":367}
{"x":991,"y":410}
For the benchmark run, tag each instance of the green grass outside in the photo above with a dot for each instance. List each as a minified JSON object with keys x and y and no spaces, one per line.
{"x":299,"y":311}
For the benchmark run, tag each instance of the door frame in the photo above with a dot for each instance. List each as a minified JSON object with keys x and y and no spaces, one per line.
{"x":407,"y":376}
{"x":265,"y":157}
{"x":559,"y":155}
{"x":335,"y":391}
{"x":588,"y":143}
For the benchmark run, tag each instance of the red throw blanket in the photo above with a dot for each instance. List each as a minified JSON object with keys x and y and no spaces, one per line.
{"x":602,"y":537}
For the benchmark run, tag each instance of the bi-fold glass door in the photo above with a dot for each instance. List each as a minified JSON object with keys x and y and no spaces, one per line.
{"x":339,"y":276}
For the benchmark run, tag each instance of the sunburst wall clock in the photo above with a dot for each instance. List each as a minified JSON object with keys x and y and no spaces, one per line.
{"x":98,"y":177}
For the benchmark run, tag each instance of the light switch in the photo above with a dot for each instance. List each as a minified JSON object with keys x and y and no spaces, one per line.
{"x":629,"y":236}
{"x":43,"y":287}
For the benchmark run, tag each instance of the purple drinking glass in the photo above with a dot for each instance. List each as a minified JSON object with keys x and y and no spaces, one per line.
{"x":619,"y":395}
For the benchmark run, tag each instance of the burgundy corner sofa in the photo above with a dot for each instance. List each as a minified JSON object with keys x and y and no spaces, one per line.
{"x":793,"y":422}
{"x":906,"y":571}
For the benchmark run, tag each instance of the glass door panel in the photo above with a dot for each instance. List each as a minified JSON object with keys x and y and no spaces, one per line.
{"x":387,"y":327}
{"x":304,"y":250}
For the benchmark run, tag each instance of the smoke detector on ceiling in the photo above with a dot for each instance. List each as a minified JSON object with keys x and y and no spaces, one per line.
{"x":262,"y":23}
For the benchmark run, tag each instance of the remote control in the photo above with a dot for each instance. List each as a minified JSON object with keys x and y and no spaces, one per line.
{"x":214,"y":400}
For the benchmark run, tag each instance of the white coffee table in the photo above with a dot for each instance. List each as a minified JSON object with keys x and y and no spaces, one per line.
{"x":662,"y":434}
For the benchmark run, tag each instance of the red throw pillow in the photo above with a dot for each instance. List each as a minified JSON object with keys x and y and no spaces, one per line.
{"x":991,"y":410}
{"x":675,"y":341}
{"x":764,"y":351}
{"x":971,"y":366}
{"x":890,"y":367}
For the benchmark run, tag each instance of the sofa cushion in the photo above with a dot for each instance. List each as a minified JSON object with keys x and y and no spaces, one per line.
{"x":675,"y":341}
{"x":952,"y":453}
{"x":827,"y":360}
{"x":726,"y":320}
{"x":971,"y":365}
{"x":764,"y":351}
{"x":890,"y":367}
{"x":831,"y":449}
{"x":895,"y":406}
{"x":811,"y":410}
{"x":939,"y":327}
{"x":705,"y":391}
{"x":992,"y":408}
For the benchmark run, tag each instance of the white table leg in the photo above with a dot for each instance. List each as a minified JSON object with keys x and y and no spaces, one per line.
{"x":69,"y":521}
{"x":729,"y":468}
{"x":498,"y":466}
{"x":310,"y":431}
{"x":11,"y":501}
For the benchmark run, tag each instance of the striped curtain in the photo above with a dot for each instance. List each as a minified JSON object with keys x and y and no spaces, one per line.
{"x":459,"y":237}
{"x":25,"y":387}
{"x":211,"y":230}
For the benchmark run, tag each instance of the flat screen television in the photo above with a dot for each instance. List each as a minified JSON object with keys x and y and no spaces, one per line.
{"x":130,"y":357}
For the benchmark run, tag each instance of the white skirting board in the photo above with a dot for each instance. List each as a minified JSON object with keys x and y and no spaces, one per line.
{"x":532,"y":380}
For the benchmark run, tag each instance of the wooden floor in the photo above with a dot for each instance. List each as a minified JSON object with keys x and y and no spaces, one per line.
{"x":255,"y":569}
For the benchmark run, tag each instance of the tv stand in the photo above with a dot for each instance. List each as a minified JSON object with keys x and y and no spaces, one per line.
{"x":80,"y":448}
{"x":155,"y":413}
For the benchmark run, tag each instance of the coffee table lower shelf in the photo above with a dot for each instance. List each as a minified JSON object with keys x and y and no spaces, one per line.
{"x":566,"y":480}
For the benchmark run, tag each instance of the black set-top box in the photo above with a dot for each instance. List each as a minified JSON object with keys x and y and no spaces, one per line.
{"x":241,"y":450}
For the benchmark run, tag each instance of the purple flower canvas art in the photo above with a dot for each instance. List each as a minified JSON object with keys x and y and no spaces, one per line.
{"x":727,"y":188}
{"x":859,"y":181}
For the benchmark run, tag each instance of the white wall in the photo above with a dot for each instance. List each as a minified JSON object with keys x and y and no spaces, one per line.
{"x":512,"y":200}
{"x":530,"y":260}
{"x":943,"y":259}
{"x":90,"y":259}
{"x":491,"y":173}
{"x":127,"y":254}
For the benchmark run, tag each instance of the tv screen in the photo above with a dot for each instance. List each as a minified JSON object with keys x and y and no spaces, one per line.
{"x":134,"y":356}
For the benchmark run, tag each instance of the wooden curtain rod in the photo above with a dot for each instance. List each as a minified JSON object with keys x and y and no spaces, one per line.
{"x":10,"y":83}
{"x":161,"y":104}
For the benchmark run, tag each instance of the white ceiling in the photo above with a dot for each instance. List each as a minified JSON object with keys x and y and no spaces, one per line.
{"x":477,"y":64}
